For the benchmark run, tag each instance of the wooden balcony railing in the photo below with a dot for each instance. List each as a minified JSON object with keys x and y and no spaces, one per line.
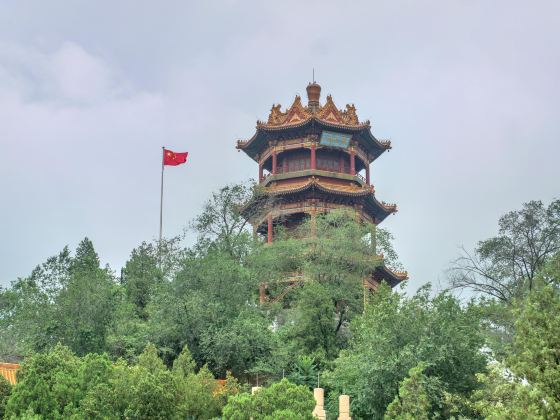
{"x":282,"y":170}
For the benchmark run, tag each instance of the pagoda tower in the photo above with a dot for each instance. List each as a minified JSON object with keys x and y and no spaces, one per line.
{"x":312,"y":159}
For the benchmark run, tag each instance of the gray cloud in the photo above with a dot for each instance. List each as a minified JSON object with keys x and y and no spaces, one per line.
{"x":89,"y":92}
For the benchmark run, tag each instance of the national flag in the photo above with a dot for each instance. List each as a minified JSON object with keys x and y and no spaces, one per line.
{"x":174,"y":158}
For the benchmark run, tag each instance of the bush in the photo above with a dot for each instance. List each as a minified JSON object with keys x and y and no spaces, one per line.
{"x":282,"y":400}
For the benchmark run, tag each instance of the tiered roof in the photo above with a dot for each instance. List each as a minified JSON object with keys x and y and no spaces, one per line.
{"x":351,"y":189}
{"x":328,"y":113}
{"x":298,"y":117}
{"x":299,"y":121}
{"x":379,"y":209}
{"x":392,"y":277}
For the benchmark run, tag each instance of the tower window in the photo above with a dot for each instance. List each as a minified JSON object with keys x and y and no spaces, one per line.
{"x":298,"y":162}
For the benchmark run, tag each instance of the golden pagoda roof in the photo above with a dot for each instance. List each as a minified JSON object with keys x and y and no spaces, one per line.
{"x":350,"y":188}
{"x":392,"y":277}
{"x":300,"y":117}
{"x":379,"y":209}
{"x":298,"y":114}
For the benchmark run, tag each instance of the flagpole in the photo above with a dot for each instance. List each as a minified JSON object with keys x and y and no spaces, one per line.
{"x":161,"y":195}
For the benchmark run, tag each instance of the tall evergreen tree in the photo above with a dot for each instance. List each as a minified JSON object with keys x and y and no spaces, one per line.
{"x":141,"y":275}
{"x":84,"y":308}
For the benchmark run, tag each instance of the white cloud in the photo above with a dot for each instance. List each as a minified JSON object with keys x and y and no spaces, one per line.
{"x":72,"y":143}
{"x":79,"y":76}
{"x":67,"y":76}
{"x":468,"y":93}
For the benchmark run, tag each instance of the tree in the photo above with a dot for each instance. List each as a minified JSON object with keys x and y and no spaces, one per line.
{"x":200,"y":395}
{"x":67,"y":300}
{"x":312,"y":325}
{"x":505,"y":266}
{"x":24,"y":319}
{"x":84,"y":307}
{"x":184,"y":365}
{"x":221,"y":224}
{"x":149,"y":269}
{"x":27,"y":307}
{"x":334,"y":251}
{"x":384,"y":245}
{"x":145,"y":390}
{"x":230,"y":388}
{"x":5,"y":391}
{"x":395,"y":334}
{"x":153,"y":395}
{"x":304,"y":371}
{"x":201,"y":308}
{"x":238,"y":345}
{"x":503,"y":395}
{"x":52,"y":384}
{"x":141,"y":275}
{"x":411,"y":402}
{"x":282,"y":400}
{"x":536,"y":343}
{"x":127,"y":333}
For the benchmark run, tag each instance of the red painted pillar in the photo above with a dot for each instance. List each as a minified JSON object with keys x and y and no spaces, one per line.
{"x":269,"y":228}
{"x":313,"y":157}
{"x":260,"y":172}
{"x":367,"y":173}
{"x":352,"y":162}
{"x":274,"y":162}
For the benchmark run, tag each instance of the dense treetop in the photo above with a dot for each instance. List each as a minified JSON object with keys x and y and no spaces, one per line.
{"x":149,"y":341}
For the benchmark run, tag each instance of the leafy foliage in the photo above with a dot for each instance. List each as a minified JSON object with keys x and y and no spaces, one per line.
{"x":536,"y":344}
{"x":5,"y":391}
{"x":282,"y":400}
{"x":506,"y":265}
{"x":335,"y":253}
{"x":59,"y":384}
{"x":526,"y":383}
{"x":411,"y":403}
{"x":141,"y":275}
{"x":398,"y":356}
{"x":502,"y":395}
{"x":397,"y":333}
{"x":221,"y":226}
{"x":52,"y":384}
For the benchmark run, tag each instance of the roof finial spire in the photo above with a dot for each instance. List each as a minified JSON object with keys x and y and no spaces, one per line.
{"x":313,"y":95}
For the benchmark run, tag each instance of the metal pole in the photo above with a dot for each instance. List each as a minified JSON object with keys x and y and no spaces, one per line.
{"x":161,"y":195}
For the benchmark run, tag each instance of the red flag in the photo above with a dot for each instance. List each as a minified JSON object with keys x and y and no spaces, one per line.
{"x":173,"y":159}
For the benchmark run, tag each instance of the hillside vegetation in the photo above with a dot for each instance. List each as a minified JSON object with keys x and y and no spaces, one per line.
{"x":149,"y":341}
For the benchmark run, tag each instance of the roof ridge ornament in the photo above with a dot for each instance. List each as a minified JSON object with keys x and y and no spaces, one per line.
{"x":313,"y":96}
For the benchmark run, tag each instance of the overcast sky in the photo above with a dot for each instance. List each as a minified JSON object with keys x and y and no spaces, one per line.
{"x":468,"y":92}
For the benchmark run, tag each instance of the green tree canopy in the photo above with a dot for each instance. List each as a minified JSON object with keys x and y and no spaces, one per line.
{"x":5,"y":391}
{"x":505,"y":266}
{"x":85,"y":306}
{"x":221,"y":226}
{"x":281,"y":400}
{"x":395,"y":334}
{"x":411,"y":402}
{"x":52,"y":384}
